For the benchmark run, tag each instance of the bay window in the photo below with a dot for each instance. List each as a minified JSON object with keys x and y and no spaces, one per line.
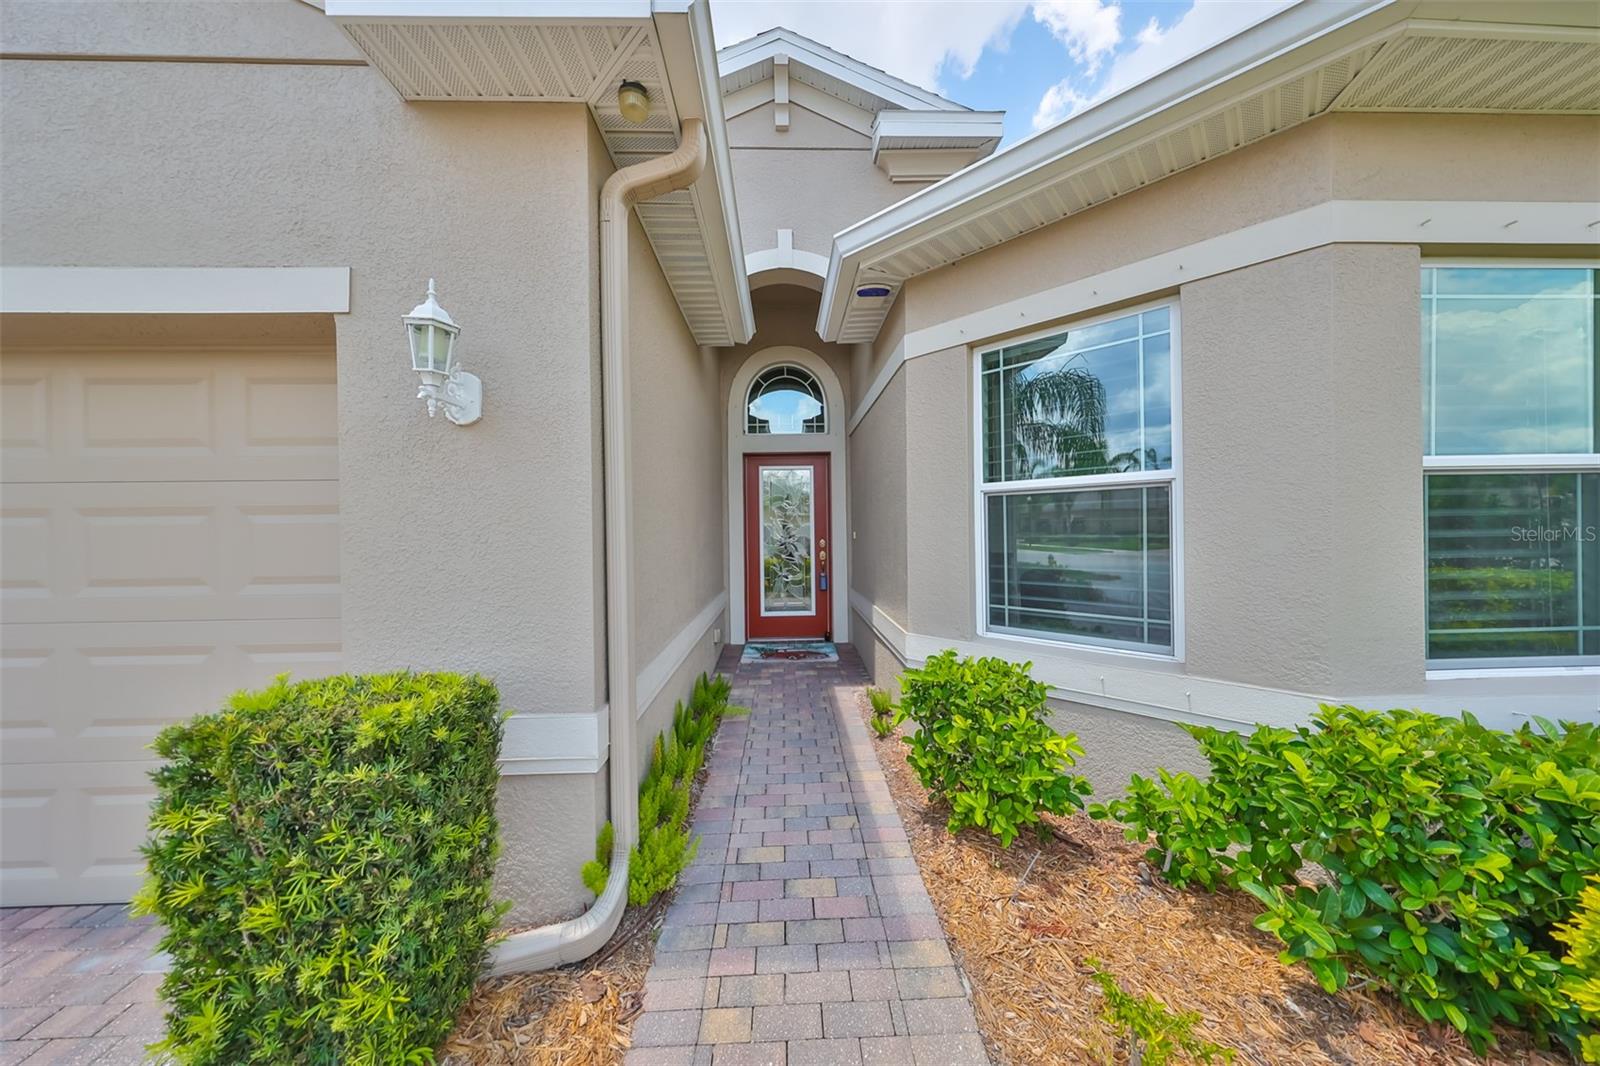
{"x":1511,"y":465}
{"x":1078,"y":484}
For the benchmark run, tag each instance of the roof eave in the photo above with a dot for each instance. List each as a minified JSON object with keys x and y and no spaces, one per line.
{"x":1146,"y":104}
{"x":685,"y":31}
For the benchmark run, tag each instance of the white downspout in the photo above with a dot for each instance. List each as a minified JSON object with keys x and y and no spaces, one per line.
{"x":580,"y":937}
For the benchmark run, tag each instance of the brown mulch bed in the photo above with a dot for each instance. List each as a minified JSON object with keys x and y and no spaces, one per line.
{"x":1022,"y":921}
{"x":576,"y":1016}
{"x":579,"y":1015}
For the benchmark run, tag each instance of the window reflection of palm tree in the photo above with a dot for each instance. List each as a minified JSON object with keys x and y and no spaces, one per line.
{"x":1058,"y":427}
{"x":1059,"y":421}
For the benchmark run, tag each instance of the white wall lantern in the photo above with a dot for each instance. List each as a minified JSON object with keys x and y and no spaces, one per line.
{"x":432,"y":334}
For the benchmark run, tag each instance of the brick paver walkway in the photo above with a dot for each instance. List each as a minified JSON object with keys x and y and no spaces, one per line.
{"x":77,"y":984}
{"x":802,"y":934}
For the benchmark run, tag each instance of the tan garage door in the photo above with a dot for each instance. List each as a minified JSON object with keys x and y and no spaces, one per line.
{"x":170,"y":534}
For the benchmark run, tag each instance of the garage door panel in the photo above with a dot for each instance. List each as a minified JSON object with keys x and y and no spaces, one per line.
{"x":102,"y":691}
{"x":170,"y":534}
{"x":191,"y":416}
{"x":72,"y":831}
{"x":170,"y":550}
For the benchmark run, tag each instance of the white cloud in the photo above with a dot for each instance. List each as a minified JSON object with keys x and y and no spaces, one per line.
{"x":1202,"y":26}
{"x":1154,"y":50}
{"x":912,"y":41}
{"x":1060,"y":101}
{"x":1090,"y":29}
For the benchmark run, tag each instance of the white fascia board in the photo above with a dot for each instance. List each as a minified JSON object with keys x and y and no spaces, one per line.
{"x":965,"y":125}
{"x":1236,"y":66}
{"x":684,"y":33}
{"x":175,"y":290}
{"x":563,"y":11}
{"x":825,"y":60}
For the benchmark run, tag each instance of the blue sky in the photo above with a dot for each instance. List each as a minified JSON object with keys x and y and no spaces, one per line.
{"x":1039,"y":61}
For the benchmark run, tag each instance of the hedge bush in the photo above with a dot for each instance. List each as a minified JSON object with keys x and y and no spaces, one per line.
{"x":320,"y":856}
{"x":984,"y":747}
{"x":1452,"y":852}
{"x":665,"y":844}
{"x":1581,"y":935}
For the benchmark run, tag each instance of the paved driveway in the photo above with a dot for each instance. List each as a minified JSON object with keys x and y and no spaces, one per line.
{"x":77,"y":985}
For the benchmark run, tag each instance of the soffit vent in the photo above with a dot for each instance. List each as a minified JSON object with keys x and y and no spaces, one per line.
{"x":441,"y":59}
{"x":495,"y":61}
{"x":1452,"y":73}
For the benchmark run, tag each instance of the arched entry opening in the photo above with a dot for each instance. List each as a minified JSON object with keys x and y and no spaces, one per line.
{"x":788,"y":555}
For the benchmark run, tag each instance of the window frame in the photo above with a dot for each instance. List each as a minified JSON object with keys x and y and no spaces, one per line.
{"x":1526,"y":463}
{"x":797,"y":371}
{"x":1170,"y":478}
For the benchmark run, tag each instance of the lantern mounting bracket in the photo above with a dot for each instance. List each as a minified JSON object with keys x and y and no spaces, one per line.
{"x":460,"y":396}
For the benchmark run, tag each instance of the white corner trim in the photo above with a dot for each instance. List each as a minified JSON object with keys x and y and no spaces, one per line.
{"x":175,"y":290}
{"x":1478,"y":222}
{"x":885,"y":375}
{"x":659,"y":671}
{"x":574,"y":743}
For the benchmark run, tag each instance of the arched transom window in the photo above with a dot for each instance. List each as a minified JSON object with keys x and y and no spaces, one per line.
{"x":785,"y":399}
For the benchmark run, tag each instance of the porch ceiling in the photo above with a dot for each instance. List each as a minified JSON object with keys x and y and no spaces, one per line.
{"x":542,"y":52}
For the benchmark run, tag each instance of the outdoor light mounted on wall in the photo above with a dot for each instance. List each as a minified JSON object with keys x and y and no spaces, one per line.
{"x":432,"y":333}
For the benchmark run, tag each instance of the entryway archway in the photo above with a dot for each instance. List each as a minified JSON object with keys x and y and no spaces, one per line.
{"x":788,"y":573}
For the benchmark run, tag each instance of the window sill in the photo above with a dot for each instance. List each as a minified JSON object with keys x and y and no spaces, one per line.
{"x":1078,"y":648}
{"x":1469,"y":673}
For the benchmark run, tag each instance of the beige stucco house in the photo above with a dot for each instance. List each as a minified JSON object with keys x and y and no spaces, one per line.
{"x":1270,"y":380}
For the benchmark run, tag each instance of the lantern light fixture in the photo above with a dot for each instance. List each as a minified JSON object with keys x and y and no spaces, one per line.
{"x":633,"y":102}
{"x":432,"y":335}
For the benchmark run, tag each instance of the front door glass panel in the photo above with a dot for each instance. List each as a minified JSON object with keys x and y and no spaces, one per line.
{"x":788,"y":581}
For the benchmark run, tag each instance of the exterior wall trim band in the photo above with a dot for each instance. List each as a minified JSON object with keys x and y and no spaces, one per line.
{"x":1420,"y":222}
{"x":174,"y":290}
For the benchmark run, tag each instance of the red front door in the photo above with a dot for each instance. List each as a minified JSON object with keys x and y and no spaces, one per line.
{"x":787,"y":579}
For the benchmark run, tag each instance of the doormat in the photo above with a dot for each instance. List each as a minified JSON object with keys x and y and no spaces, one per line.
{"x":817,"y":651}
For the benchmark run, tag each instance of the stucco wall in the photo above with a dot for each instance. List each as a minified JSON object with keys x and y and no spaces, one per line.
{"x":868,"y":360}
{"x":461,"y":548}
{"x":256,"y":29}
{"x":1302,"y":465}
{"x":677,"y":462}
{"x":1348,"y":156}
{"x":677,"y":421}
{"x":879,"y":530}
{"x":816,"y":178}
{"x":1302,"y":460}
{"x":786,"y":315}
{"x":940,"y":595}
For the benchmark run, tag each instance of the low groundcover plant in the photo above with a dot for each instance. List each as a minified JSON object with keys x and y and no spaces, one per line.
{"x":665,"y":844}
{"x":320,"y":856}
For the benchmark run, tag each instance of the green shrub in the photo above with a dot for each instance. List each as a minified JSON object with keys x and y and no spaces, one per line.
{"x":1154,"y":1034}
{"x":882,"y":719}
{"x":1582,"y":985}
{"x":665,"y":844}
{"x":1453,"y":851}
{"x":983,"y":746}
{"x":320,"y":856}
